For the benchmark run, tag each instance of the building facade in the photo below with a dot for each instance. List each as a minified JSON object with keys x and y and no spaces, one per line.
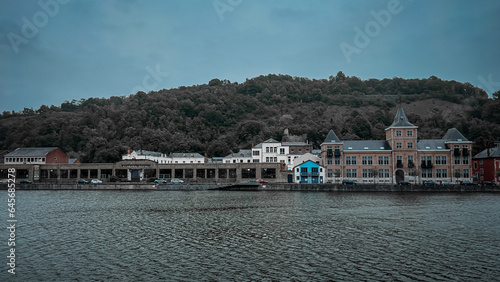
{"x":309,"y":172}
{"x":42,"y":155}
{"x":486,"y":165}
{"x":400,"y":157}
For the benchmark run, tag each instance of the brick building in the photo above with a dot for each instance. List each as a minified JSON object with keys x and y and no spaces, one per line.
{"x":42,"y":155}
{"x":486,"y":165}
{"x":400,"y":157}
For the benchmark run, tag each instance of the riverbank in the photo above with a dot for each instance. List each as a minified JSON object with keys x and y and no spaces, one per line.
{"x":263,"y":187}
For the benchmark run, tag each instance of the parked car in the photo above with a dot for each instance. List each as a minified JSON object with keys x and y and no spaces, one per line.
{"x":404,"y":183}
{"x":95,"y":181}
{"x":261,"y":181}
{"x":82,"y":181}
{"x":469,"y":183}
{"x":446,"y":183}
{"x":348,"y":182}
{"x":25,"y":181}
{"x":177,"y":180}
{"x":160,"y":181}
{"x":488,"y":183}
{"x":428,"y":183}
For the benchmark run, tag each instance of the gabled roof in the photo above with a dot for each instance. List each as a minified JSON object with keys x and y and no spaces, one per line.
{"x":185,"y":155}
{"x":454,"y":135}
{"x":400,"y":120}
{"x":366,"y":145}
{"x":270,"y":140}
{"x":493,"y":153}
{"x":148,"y":153}
{"x":431,"y":145}
{"x":309,"y":161}
{"x":31,"y":152}
{"x":241,"y":154}
{"x":331,"y":137}
{"x":294,"y":144}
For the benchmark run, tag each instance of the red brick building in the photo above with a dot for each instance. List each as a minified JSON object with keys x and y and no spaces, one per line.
{"x":486,"y":165}
{"x":42,"y":155}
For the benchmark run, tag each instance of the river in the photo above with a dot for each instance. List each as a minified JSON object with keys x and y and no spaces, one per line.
{"x":261,"y":236}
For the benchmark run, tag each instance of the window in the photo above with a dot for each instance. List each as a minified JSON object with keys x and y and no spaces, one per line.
{"x":441,"y":173}
{"x":466,"y":173}
{"x":383,"y":160}
{"x":367,"y":160}
{"x":256,"y":153}
{"x":330,"y":172}
{"x":440,"y":160}
{"x":350,"y":160}
{"x":480,"y":162}
{"x":329,"y":161}
{"x":282,"y":151}
{"x":291,"y":151}
{"x":409,"y":133}
{"x":426,"y":172}
{"x":367,"y":173}
{"x":475,"y":165}
{"x":465,"y":160}
{"x":351,"y":172}
{"x":337,"y":160}
{"x":383,"y":173}
{"x":267,"y":149}
{"x":398,"y":133}
{"x":457,"y":160}
{"x":399,"y":145}
{"x":409,"y":145}
{"x":481,"y":171}
{"x":410,"y":161}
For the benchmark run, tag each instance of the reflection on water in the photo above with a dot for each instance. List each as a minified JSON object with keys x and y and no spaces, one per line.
{"x":227,"y":235}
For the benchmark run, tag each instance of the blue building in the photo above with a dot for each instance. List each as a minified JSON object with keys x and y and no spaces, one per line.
{"x":309,"y":172}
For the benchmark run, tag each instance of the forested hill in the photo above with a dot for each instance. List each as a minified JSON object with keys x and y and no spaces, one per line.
{"x":219,"y":117}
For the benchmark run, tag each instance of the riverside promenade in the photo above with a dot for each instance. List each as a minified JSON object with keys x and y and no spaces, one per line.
{"x":262,"y":187}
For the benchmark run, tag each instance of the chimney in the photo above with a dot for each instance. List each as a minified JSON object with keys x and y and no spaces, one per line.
{"x":488,"y":152}
{"x":128,"y":151}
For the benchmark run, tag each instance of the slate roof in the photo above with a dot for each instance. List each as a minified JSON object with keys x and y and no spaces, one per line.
{"x":366,"y":145}
{"x":185,"y":155}
{"x":148,"y":153}
{"x":331,"y":137}
{"x":493,"y":153}
{"x":400,"y":120}
{"x":454,"y":135}
{"x":294,"y":144}
{"x":270,"y":140}
{"x":241,"y":154}
{"x":431,"y":145}
{"x":31,"y":152}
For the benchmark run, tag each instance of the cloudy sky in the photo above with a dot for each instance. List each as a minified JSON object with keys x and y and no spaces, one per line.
{"x":57,"y":50}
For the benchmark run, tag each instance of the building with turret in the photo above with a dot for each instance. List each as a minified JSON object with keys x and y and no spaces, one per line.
{"x":402,"y":156}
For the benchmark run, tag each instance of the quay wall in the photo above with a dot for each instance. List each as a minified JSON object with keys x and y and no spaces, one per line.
{"x":366,"y":188}
{"x":121,"y":186}
{"x":263,"y":187}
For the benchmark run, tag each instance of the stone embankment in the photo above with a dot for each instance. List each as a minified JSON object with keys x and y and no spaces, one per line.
{"x":263,"y":187}
{"x":365,"y":188}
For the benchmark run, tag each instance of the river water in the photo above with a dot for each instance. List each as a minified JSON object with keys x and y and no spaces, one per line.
{"x":241,"y":236}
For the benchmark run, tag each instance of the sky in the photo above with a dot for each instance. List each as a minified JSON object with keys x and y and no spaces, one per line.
{"x":53,"y":51}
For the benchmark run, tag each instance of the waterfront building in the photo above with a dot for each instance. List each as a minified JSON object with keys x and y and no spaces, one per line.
{"x":272,"y":151}
{"x":486,"y":165}
{"x":243,"y":156}
{"x":146,"y":155}
{"x":172,"y":158}
{"x":309,"y":172}
{"x":400,"y":157}
{"x":42,"y":155}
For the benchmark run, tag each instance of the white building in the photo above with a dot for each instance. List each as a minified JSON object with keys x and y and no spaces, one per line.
{"x":272,"y":151}
{"x":172,"y":158}
{"x":243,"y":156}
